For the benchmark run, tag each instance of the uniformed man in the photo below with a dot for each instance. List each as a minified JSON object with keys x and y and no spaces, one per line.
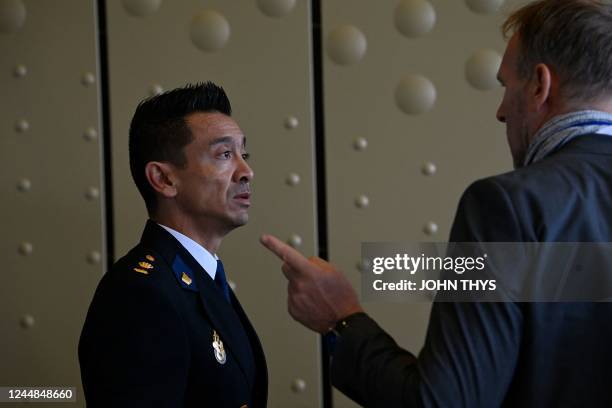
{"x":164,"y":329}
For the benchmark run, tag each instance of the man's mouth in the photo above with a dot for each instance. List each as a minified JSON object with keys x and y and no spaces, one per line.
{"x":243,"y":198}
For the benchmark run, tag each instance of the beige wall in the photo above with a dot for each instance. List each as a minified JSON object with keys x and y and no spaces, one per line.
{"x":50,"y":184}
{"x":397,"y":158}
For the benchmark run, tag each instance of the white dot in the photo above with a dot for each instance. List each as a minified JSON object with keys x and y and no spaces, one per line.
{"x":12,"y":15}
{"x":484,"y":6}
{"x":26,"y":248}
{"x":430,"y":228}
{"x":155,"y":90}
{"x":24,"y":185}
{"x":209,"y":31}
{"x":276,"y":8}
{"x":346,"y":45}
{"x":22,"y":126}
{"x":88,"y":79}
{"x":92,"y":193}
{"x":414,"y":18}
{"x":481,"y":69}
{"x":26,"y":321}
{"x":293,"y":179}
{"x":298,"y":385}
{"x":141,"y":8}
{"x":20,"y":71}
{"x":364,"y":265}
{"x":428,"y":169}
{"x":295,"y":240}
{"x":415,"y":94}
{"x":362,"y":201}
{"x":291,"y":122}
{"x":94,"y":257}
{"x":360,"y":144}
{"x":90,"y":134}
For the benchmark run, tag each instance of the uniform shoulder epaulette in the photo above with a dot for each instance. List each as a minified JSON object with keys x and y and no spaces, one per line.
{"x":145,"y":266}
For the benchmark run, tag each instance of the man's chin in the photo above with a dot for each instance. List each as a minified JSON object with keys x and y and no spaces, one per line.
{"x":240,"y":220}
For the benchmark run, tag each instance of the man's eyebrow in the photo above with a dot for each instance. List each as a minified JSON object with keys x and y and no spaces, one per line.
{"x":226,"y":139}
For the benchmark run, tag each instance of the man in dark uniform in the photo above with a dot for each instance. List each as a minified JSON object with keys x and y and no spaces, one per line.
{"x":557,"y":107}
{"x":164,"y":329}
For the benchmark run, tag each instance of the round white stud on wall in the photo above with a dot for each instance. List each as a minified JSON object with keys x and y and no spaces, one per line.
{"x":92,"y":193}
{"x":156,"y":89}
{"x":88,"y":79}
{"x":360,"y":144}
{"x":484,"y":6}
{"x":481,"y":69}
{"x":94,"y":257}
{"x":12,"y":15}
{"x":362,"y":201}
{"x":415,"y":94}
{"x":24,"y":185}
{"x":430,"y":228}
{"x":428,"y":169}
{"x":90,"y":134}
{"x":346,"y":45}
{"x":291,"y":122}
{"x":22,"y":126}
{"x":414,"y":18}
{"x":364,"y":265}
{"x":20,"y":71}
{"x":298,"y":386}
{"x":26,"y":321}
{"x":141,"y":8}
{"x":209,"y":31}
{"x":276,"y":8}
{"x":293,"y":179}
{"x":295,"y":240}
{"x":26,"y":248}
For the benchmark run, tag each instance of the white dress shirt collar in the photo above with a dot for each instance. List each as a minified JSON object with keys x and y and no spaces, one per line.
{"x":206,"y":260}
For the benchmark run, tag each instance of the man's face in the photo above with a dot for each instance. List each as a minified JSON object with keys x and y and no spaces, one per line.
{"x":513,"y":108}
{"x":213,"y":189}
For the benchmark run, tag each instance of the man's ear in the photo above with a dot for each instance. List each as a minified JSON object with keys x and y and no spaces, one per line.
{"x":541,"y":88}
{"x":161,"y":178}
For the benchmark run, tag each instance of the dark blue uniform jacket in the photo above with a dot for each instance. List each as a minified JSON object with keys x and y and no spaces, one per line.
{"x":149,"y":332}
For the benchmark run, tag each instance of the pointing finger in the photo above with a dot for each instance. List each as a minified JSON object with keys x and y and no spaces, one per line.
{"x":289,"y":255}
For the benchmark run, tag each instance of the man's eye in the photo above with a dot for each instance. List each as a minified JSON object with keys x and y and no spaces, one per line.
{"x":226,"y":155}
{"x":246,"y":156}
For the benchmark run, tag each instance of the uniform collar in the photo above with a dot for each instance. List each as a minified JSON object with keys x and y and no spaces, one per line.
{"x":207,"y":261}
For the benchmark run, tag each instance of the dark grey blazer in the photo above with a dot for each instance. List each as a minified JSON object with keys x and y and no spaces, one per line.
{"x":504,"y":354}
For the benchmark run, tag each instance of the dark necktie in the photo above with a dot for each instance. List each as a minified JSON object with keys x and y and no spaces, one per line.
{"x":221,"y":280}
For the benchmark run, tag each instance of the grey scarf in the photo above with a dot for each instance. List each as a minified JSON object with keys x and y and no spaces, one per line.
{"x":561,"y":129}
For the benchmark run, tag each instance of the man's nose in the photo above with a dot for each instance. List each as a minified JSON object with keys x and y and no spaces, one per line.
{"x":244,"y":172}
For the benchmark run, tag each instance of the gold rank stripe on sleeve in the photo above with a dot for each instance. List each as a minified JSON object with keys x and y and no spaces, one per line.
{"x":150,"y":258}
{"x":145,"y":265}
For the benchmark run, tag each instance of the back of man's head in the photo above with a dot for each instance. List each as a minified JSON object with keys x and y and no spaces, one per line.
{"x":572,"y":37}
{"x":159,"y":132}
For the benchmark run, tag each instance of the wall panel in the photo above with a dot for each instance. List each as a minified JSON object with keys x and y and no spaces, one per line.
{"x":50,"y":186}
{"x":405,"y":130}
{"x":264,"y":66}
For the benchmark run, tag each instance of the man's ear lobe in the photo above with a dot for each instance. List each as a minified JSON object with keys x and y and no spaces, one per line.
{"x":542,"y":85}
{"x":160,"y":176}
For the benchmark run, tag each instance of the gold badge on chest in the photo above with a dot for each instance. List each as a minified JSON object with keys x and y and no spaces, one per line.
{"x":218,"y":348}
